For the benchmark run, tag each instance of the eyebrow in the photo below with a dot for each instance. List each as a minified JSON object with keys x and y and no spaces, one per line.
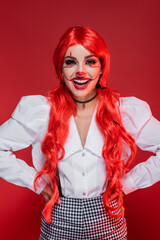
{"x":84,"y":57}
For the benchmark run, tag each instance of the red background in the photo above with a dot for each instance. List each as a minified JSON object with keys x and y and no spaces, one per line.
{"x":30,"y":31}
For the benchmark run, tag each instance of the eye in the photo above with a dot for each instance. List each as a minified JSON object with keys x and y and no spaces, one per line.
{"x":70,"y":62}
{"x":90,"y":62}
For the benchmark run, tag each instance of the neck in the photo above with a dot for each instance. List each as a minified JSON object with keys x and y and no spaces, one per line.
{"x":86,"y":102}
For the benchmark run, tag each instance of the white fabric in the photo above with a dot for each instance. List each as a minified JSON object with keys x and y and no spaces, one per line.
{"x":82,"y":171}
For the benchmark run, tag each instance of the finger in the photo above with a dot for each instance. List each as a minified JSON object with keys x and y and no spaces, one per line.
{"x":59,"y":201}
{"x":46,"y":197}
{"x":48,"y":189}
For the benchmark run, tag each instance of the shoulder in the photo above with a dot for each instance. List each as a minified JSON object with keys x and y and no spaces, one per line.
{"x":33,"y":100}
{"x":134,"y":105}
{"x":135,"y":113}
{"x":32,"y":109}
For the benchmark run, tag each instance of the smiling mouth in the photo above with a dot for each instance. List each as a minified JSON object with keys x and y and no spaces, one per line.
{"x":81,"y":83}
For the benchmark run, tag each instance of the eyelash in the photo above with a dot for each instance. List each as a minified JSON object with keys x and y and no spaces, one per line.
{"x":69,"y":62}
{"x":91,"y":62}
{"x":72,"y":62}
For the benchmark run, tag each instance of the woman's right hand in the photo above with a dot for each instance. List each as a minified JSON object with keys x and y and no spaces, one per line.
{"x":47,"y":194}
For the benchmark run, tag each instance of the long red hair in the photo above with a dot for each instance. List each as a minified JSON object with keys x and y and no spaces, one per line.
{"x":107,"y":117}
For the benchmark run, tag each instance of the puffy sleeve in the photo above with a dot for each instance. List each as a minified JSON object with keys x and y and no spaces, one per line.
{"x":20,"y":131}
{"x":145,"y":129}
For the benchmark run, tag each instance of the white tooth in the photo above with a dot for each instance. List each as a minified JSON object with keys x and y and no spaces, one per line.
{"x":80,"y":81}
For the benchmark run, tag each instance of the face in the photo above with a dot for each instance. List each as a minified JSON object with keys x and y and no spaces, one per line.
{"x":81,"y":70}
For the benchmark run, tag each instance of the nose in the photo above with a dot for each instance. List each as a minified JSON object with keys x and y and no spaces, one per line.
{"x":81,"y":69}
{"x":80,"y":74}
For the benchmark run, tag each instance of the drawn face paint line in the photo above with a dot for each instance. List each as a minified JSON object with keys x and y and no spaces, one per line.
{"x":81,"y":71}
{"x":89,"y":66}
{"x":67,"y":66}
{"x":95,"y":66}
{"x":77,"y":78}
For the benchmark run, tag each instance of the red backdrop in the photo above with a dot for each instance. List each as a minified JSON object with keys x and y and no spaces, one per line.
{"x":29,"y":34}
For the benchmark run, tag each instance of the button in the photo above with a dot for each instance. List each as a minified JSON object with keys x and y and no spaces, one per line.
{"x":83,"y":174}
{"x":83,"y":154}
{"x":84,"y":193}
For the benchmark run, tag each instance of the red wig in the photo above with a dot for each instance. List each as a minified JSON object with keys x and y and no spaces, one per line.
{"x":107,"y":117}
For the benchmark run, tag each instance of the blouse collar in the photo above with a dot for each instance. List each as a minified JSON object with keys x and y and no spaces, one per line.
{"x":94,"y":140}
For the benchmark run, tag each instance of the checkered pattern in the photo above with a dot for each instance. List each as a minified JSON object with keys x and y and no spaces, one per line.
{"x":77,"y":218}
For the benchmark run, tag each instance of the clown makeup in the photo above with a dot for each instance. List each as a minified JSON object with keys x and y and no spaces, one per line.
{"x":81,"y":70}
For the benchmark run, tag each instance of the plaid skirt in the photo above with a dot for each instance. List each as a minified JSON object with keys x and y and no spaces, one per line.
{"x":76,"y":219}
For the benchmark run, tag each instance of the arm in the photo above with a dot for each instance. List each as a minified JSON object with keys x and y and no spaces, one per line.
{"x":146,"y":131}
{"x":20,"y":131}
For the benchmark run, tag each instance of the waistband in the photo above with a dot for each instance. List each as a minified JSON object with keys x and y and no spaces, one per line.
{"x":82,"y":199}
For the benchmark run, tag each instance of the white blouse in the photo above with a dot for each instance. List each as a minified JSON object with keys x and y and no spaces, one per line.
{"x":82,"y":170}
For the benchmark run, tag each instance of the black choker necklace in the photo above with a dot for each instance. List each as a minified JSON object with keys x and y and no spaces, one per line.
{"x":83,"y":102}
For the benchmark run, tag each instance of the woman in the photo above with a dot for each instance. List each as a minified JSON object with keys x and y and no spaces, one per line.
{"x":84,"y":137}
